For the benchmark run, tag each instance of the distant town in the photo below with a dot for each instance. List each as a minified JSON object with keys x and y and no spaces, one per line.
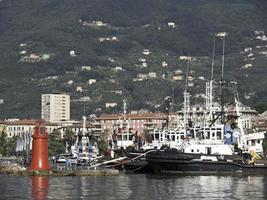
{"x":55,"y":111}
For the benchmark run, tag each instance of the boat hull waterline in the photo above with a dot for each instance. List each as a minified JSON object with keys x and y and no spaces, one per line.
{"x":204,"y":167}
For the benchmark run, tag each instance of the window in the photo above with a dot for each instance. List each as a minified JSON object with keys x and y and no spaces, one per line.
{"x":42,"y":130}
{"x":192,"y":150}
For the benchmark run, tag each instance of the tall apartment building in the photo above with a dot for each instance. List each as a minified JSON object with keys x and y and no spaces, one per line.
{"x":55,"y":107}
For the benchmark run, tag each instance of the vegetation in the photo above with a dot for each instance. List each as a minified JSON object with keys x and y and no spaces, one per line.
{"x":7,"y":145}
{"x":69,"y":137}
{"x":146,"y":136}
{"x":261,"y":107}
{"x":55,"y":144}
{"x":54,"y":28}
{"x":103,"y":142}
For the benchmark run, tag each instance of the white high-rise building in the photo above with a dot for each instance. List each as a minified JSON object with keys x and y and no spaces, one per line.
{"x":55,"y":107}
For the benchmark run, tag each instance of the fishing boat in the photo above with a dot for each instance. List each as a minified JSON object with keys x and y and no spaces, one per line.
{"x":221,"y":146}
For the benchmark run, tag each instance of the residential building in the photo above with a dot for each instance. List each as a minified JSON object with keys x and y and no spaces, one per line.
{"x":79,"y":89}
{"x":91,"y":81}
{"x":137,"y":121}
{"x":171,"y":24}
{"x":17,"y":127}
{"x":111,"y":104}
{"x":55,"y":107}
{"x":77,"y":127}
{"x":177,"y":77}
{"x":152,"y":74}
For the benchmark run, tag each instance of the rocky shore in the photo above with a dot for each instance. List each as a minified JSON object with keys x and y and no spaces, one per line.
{"x":16,"y":170}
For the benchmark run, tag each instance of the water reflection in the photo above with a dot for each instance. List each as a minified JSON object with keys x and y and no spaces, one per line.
{"x":39,"y":187}
{"x":134,"y":186}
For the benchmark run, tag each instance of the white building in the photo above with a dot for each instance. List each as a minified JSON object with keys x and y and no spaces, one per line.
{"x":91,"y":81}
{"x":86,"y":68}
{"x":111,"y":104}
{"x":171,"y":24}
{"x":152,"y":74}
{"x":55,"y":107}
{"x":79,"y":89}
{"x":17,"y":127}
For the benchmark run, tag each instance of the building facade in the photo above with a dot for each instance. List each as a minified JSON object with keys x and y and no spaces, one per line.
{"x":55,"y":107}
{"x":136,"y":122}
{"x":17,"y":127}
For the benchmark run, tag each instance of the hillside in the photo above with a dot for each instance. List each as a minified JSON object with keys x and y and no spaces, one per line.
{"x":132,"y":48}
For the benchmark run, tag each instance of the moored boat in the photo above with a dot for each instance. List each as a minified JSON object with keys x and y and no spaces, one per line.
{"x":177,"y":163}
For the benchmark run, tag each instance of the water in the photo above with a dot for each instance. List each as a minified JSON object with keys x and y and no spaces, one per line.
{"x":134,"y":186}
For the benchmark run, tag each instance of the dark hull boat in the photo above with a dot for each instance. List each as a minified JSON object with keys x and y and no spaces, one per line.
{"x":139,"y":166}
{"x":182,"y":163}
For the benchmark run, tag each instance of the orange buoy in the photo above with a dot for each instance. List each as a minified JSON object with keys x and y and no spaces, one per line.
{"x":39,"y":148}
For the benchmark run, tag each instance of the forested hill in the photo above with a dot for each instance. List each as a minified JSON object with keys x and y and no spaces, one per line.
{"x":38,"y":36}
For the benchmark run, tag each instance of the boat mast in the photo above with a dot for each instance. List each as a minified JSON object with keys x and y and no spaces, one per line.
{"x":209,"y":86}
{"x":243,"y":143}
{"x":125,"y":124}
{"x":222,"y":36}
{"x":186,"y":98}
{"x":84,"y":125}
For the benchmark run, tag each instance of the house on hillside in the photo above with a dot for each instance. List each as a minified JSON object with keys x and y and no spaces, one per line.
{"x":171,"y":24}
{"x":111,"y":104}
{"x":91,"y":81}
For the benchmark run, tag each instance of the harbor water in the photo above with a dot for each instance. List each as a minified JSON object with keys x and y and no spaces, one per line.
{"x":134,"y":186}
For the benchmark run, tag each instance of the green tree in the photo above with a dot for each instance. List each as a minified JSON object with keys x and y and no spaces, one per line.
{"x":147,"y":136}
{"x":11,"y":146}
{"x":261,"y":107}
{"x":55,"y":143}
{"x":3,"y":143}
{"x":103,"y":142}
{"x":69,"y":136}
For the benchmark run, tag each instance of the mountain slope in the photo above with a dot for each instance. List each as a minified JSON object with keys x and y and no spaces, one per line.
{"x":55,"y":27}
